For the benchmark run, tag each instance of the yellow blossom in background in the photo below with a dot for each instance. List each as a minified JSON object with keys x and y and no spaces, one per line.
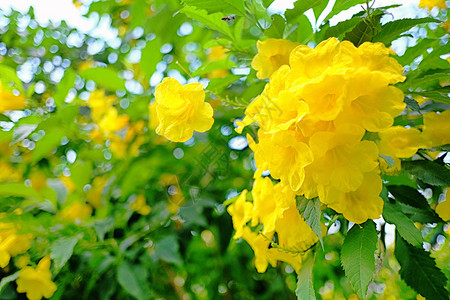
{"x":272,"y":54}
{"x":36,"y":282}
{"x":436,"y":128}
{"x":12,"y":243}
{"x":139,"y":205}
{"x":181,"y":110}
{"x":8,"y":173}
{"x":38,"y":180}
{"x":240,"y":211}
{"x":112,"y":122}
{"x":94,"y":195}
{"x":9,"y":101}
{"x":443,"y":208}
{"x":77,"y":210}
{"x":429,"y":4}
{"x":217,"y":53}
{"x":99,"y":104}
{"x":68,"y":183}
{"x":400,"y":142}
{"x":23,"y":261}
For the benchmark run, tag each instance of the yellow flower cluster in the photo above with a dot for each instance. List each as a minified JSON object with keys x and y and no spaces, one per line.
{"x":36,"y":282}
{"x":12,"y":243}
{"x":140,"y":206}
{"x":273,"y":211}
{"x":9,"y":101}
{"x":181,"y":110}
{"x":313,"y":116}
{"x":124,"y":137}
{"x":429,"y":4}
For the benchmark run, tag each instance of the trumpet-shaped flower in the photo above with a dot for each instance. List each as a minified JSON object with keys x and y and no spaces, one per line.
{"x":272,"y":54}
{"x":36,"y":282}
{"x":181,"y":110}
{"x":400,"y":142}
{"x":436,"y":128}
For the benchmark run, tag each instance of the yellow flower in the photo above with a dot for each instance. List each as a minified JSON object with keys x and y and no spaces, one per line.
{"x":359,"y":205}
{"x":36,"y":282}
{"x":68,"y":183}
{"x":9,"y":173}
{"x":429,"y":4}
{"x":139,"y":205}
{"x":272,"y":54}
{"x":217,"y":53}
{"x":276,"y":152}
{"x":341,"y":158}
{"x":436,"y":128}
{"x":154,"y":120}
{"x":240,"y":211}
{"x":9,"y":101}
{"x":99,"y":104}
{"x":181,"y":110}
{"x":76,"y":211}
{"x":94,"y":195}
{"x":38,"y":180}
{"x":398,"y":141}
{"x":11,"y":243}
{"x":443,"y":208}
{"x":112,"y":122}
{"x":23,"y":261}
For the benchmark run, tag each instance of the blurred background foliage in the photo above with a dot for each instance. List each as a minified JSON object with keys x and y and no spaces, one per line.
{"x":126,"y":214}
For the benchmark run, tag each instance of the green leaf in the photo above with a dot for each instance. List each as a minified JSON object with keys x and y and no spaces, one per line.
{"x":276,"y":30}
{"x":215,"y":65}
{"x":318,"y":10}
{"x":138,"y":12}
{"x":62,"y":249}
{"x":413,"y":204}
{"x":235,"y":7}
{"x":358,"y":256}
{"x":413,"y":52}
{"x":151,"y":56}
{"x":17,"y":189}
{"x":300,"y":7}
{"x":365,"y":31}
{"x":81,"y":174}
{"x":392,"y":30}
{"x":434,"y":60}
{"x":46,"y":144}
{"x":435,"y":95}
{"x":341,"y":5}
{"x":305,"y":286}
{"x":218,"y":84}
{"x":426,"y":79}
{"x":5,"y":280}
{"x":167,"y":250}
{"x":341,"y":28}
{"x":129,"y":279}
{"x":104,"y":77}
{"x":428,"y":171}
{"x":213,"y":21}
{"x":67,"y":82}
{"x":419,"y":271}
{"x":310,"y":210}
{"x":393,"y":214}
{"x":302,"y":31}
{"x":8,"y":74}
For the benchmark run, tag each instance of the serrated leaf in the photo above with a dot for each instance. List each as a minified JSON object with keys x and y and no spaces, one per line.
{"x":318,"y":9}
{"x":305,"y":286}
{"x":413,"y":204}
{"x":300,"y":7}
{"x":341,"y":5}
{"x":213,"y":21}
{"x":419,"y":271}
{"x":392,"y":30}
{"x":341,"y":28}
{"x":428,"y":171}
{"x":276,"y":29}
{"x":62,"y":250}
{"x":310,"y":211}
{"x":358,"y":256}
{"x":434,"y":60}
{"x":151,"y":56}
{"x":104,"y":77}
{"x":129,"y":280}
{"x":364,"y":31}
{"x":64,"y":86}
{"x":393,"y":214}
{"x":413,"y":52}
{"x":235,"y":7}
